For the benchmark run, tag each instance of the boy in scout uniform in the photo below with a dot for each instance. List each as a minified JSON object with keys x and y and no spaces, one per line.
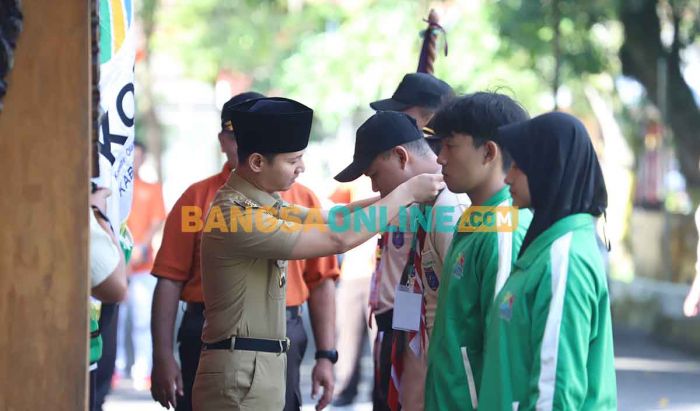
{"x":243,"y":361}
{"x":390,"y":149}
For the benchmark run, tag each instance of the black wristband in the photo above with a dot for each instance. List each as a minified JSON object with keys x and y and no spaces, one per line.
{"x":330,"y":355}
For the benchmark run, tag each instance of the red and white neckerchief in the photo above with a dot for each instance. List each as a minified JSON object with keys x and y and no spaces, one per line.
{"x":376,"y":276}
{"x":417,"y":340}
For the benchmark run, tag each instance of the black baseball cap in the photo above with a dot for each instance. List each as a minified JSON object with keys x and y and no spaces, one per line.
{"x":382,"y":131}
{"x":234,"y":101}
{"x":416,"y":89}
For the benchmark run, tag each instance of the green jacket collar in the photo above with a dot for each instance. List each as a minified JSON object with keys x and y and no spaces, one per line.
{"x":558,"y":229}
{"x":496,"y":199}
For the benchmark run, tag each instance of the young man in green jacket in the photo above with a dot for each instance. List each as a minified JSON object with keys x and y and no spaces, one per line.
{"x":549,"y":341}
{"x":483,"y":247}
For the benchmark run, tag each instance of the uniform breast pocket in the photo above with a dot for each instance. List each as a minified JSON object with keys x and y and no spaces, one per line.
{"x":277,"y":280}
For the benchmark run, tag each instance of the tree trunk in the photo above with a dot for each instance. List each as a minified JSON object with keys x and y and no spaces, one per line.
{"x":639,"y":55}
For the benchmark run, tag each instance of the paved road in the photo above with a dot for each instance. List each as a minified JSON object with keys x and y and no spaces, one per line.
{"x":649,"y":377}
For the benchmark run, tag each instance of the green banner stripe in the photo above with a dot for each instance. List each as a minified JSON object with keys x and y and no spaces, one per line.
{"x":105,"y":32}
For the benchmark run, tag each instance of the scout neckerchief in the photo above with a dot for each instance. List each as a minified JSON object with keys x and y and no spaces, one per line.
{"x":377,"y":275}
{"x":382,"y":241}
{"x":412,"y":277}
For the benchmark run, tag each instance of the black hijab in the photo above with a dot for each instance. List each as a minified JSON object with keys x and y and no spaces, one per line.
{"x":564,"y":176}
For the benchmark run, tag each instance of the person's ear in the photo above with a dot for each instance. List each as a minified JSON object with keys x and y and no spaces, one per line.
{"x":402,"y":155}
{"x":255,"y":162}
{"x":490,"y":151}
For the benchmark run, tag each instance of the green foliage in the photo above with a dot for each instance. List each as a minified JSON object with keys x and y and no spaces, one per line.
{"x":528,"y":26}
{"x":338,"y":56}
{"x":241,"y":35}
{"x":360,"y":60}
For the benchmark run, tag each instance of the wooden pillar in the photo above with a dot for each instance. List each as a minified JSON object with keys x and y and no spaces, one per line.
{"x":44,"y":166}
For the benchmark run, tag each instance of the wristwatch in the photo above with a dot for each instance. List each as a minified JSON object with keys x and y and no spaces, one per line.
{"x":330,"y":355}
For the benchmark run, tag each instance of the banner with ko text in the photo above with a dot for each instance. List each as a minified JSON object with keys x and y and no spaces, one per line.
{"x":116,"y":129}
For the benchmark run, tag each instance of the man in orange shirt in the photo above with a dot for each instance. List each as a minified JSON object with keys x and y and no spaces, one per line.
{"x":177,"y":268}
{"x":146,"y":218}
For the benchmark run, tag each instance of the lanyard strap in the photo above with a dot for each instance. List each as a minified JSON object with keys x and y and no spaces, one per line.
{"x":417,"y":244}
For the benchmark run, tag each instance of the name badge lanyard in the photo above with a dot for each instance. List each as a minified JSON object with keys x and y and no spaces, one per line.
{"x":408,"y":283}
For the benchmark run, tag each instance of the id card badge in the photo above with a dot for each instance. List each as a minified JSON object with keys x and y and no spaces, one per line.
{"x":407,"y":308}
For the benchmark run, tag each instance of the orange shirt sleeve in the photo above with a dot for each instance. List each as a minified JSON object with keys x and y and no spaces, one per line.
{"x":320,"y":268}
{"x":158,"y":205}
{"x":341,"y":195}
{"x":175,"y":256}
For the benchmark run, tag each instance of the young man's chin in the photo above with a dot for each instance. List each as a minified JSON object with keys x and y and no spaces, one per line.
{"x":290,"y":184}
{"x":454,"y":186}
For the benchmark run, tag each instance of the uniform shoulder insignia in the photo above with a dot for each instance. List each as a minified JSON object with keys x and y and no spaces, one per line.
{"x":243,"y":201}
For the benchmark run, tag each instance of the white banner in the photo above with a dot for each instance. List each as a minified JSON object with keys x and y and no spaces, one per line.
{"x":116,"y":131}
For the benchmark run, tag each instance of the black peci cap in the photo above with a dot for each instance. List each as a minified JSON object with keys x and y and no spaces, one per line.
{"x":234,"y":101}
{"x":271,"y":125}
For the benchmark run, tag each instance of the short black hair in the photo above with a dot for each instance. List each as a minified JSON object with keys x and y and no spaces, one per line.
{"x":418,"y":147}
{"x":479,"y":115}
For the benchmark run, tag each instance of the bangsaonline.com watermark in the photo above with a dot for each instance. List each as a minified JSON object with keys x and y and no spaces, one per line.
{"x":343,"y":219}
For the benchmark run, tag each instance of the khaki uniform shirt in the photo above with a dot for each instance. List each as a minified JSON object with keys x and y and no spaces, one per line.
{"x":244,"y":271}
{"x":244,"y":251}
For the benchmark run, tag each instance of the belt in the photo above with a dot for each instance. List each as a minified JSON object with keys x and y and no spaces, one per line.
{"x":384,"y":321}
{"x":293,"y":312}
{"x":250,"y":344}
{"x":195,"y":308}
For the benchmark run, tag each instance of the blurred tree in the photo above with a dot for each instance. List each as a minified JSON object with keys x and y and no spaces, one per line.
{"x":337,"y":56}
{"x":625,"y":36}
{"x":648,"y":59}
{"x":247,"y":36}
{"x":148,"y":126}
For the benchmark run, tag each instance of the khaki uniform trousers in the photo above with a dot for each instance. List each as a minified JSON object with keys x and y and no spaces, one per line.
{"x":240,"y":380}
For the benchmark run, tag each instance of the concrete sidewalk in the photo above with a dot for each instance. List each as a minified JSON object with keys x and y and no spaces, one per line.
{"x":650,"y":376}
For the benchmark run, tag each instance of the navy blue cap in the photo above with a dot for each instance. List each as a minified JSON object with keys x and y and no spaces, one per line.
{"x":416,"y":90}
{"x":381,"y":132}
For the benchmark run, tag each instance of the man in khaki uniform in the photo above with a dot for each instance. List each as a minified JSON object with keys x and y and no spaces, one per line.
{"x":243,"y":361}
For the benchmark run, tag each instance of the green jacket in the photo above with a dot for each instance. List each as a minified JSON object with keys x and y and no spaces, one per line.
{"x":549,"y":340}
{"x":95,"y":338}
{"x":475,"y":267}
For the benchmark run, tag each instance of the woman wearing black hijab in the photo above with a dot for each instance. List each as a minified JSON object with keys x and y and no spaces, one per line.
{"x":549,"y":340}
